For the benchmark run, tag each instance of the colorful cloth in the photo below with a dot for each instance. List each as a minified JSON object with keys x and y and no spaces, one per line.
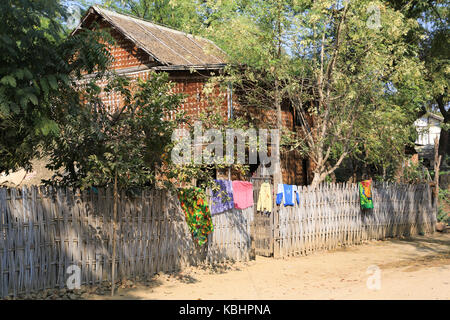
{"x":365,"y":194}
{"x":286,"y":192}
{"x":242,"y":194}
{"x":264,"y":198}
{"x":222,"y":200}
{"x":196,"y":211}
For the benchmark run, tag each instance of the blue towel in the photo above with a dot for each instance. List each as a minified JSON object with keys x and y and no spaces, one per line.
{"x":279,"y":194}
{"x":286,"y":192}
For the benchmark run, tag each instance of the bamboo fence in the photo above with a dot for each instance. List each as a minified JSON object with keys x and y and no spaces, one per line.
{"x":44,"y":231}
{"x":331,"y":216}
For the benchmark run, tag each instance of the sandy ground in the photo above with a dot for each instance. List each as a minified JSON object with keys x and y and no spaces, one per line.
{"x":21,"y":178}
{"x":417,"y":268}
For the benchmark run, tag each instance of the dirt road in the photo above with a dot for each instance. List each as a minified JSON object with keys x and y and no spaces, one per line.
{"x":418,"y":268}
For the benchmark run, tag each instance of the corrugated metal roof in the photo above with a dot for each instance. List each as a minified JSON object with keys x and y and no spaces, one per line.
{"x":167,"y":46}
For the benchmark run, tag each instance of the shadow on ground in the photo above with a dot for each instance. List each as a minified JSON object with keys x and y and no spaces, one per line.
{"x":435,"y":253}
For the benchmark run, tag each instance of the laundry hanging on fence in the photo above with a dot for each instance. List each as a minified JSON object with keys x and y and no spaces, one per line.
{"x":287,"y":193}
{"x":365,"y":194}
{"x":222,"y":200}
{"x":264,"y":198}
{"x":196,"y":211}
{"x":242,"y":194}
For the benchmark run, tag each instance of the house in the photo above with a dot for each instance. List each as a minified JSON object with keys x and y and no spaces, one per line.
{"x":428,"y":128}
{"x":142,"y":47}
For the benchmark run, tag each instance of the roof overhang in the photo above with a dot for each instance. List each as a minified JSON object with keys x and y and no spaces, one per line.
{"x":218,"y":66}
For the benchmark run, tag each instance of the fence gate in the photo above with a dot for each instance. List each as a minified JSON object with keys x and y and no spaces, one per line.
{"x":263,"y":222}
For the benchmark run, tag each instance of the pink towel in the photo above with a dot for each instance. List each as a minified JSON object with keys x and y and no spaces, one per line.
{"x":242,"y":194}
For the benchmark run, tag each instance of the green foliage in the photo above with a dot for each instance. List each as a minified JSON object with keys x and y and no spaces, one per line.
{"x":210,"y":118}
{"x":133,"y":141}
{"x":435,"y":46}
{"x":432,"y":37}
{"x":363,"y":87}
{"x":38,"y":70}
{"x":414,"y":173}
{"x":186,"y":15}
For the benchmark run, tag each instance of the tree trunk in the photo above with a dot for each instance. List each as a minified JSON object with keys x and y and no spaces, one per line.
{"x":437,"y":162}
{"x":277,"y":178}
{"x":72,"y":172}
{"x":318,"y":178}
{"x":113,"y":264}
{"x":444,"y":146}
{"x":332,"y":173}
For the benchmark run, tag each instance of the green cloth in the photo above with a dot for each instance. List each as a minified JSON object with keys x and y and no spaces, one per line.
{"x":196,"y":210}
{"x":365,"y":194}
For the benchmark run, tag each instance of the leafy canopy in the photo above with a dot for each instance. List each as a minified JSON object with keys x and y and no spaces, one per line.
{"x":38,"y":70}
{"x":133,"y":140}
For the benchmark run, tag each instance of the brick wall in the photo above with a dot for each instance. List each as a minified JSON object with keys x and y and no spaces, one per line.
{"x":196,"y":101}
{"x":125,"y":52}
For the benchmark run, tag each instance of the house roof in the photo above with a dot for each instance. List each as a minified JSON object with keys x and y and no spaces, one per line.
{"x":424,"y":120}
{"x":167,"y":46}
{"x":435,"y":116}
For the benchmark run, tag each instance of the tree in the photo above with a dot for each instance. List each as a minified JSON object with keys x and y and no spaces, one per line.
{"x":95,"y":144}
{"x":358,"y":84}
{"x":252,"y":33}
{"x":39,"y":67}
{"x":432,"y":37}
{"x":179,"y":14}
{"x":436,"y":55}
{"x":124,"y":148}
{"x":354,"y":88}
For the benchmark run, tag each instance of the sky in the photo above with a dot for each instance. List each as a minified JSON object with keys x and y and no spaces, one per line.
{"x":82,"y":4}
{"x":75,"y":9}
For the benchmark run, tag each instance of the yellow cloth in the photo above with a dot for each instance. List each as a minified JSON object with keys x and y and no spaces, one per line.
{"x":264,"y":198}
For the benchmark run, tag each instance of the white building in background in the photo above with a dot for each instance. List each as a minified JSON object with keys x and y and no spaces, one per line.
{"x":428,"y":128}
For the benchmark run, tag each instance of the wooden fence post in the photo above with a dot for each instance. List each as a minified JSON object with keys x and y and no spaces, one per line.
{"x":113,"y":264}
{"x":275,"y":224}
{"x":252,"y":254}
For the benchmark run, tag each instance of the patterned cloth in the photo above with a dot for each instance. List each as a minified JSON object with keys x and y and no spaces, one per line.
{"x":196,"y":211}
{"x":365,"y":194}
{"x":222,"y":200}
